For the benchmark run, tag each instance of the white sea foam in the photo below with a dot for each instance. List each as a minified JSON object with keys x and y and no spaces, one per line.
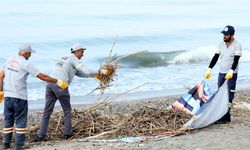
{"x":201,"y":54}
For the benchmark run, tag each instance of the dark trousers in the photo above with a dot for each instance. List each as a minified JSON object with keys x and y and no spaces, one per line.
{"x":15,"y":111}
{"x":231,"y":88}
{"x":54,"y":93}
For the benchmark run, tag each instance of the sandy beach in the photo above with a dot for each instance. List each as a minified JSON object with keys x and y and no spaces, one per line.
{"x":234,"y":135}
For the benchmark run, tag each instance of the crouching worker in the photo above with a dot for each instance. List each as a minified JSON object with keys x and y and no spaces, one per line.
{"x":13,"y":86}
{"x":65,"y":68}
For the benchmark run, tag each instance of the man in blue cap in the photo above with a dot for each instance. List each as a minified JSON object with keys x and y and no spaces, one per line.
{"x":229,"y":52}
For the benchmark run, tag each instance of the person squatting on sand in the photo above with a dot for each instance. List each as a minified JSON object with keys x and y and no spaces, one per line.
{"x":66,"y":68}
{"x":13,"y":78}
{"x":229,"y":52}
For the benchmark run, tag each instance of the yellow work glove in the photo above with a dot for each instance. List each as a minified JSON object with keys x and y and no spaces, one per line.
{"x":101,"y":72}
{"x":62,"y":84}
{"x":1,"y":96}
{"x":229,"y":75}
{"x":98,"y":76}
{"x":208,"y":74}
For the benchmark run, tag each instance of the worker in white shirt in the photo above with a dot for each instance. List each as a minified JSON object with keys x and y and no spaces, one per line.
{"x":229,"y":51}
{"x":13,"y":87}
{"x":65,"y":68}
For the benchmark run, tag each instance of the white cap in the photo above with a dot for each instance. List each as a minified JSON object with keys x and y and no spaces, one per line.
{"x":26,"y":48}
{"x":76,"y":47}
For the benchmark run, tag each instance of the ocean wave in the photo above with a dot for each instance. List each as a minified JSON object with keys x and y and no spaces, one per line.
{"x":157,"y":59}
{"x":148,"y":59}
{"x":199,"y":55}
{"x":204,"y":54}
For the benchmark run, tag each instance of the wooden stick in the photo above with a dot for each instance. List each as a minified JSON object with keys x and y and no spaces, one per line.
{"x":59,"y":120}
{"x":110,"y":52}
{"x":101,"y":134}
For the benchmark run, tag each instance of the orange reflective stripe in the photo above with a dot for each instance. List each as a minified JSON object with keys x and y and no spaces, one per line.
{"x":20,"y":132}
{"x":21,"y":129}
{"x":7,"y":129}
{"x":6,"y":132}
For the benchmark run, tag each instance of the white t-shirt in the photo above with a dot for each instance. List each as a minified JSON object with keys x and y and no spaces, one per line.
{"x":16,"y":70}
{"x":69,"y":66}
{"x":227,"y":55}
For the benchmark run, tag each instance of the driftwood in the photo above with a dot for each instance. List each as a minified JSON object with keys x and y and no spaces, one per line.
{"x":89,"y":123}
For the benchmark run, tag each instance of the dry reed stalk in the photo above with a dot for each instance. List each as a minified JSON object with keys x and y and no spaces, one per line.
{"x":108,"y":71}
{"x":145,"y":121}
{"x":59,"y":120}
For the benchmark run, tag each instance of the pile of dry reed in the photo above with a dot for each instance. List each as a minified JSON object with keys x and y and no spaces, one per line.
{"x":90,"y":124}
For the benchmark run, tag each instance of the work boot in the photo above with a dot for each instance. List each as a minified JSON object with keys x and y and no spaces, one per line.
{"x":39,"y":139}
{"x":21,"y":146}
{"x":222,"y":122}
{"x":66,"y":137}
{"x":6,"y":145}
{"x":225,"y":119}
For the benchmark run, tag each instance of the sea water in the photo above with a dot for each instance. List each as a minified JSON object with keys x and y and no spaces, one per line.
{"x":179,"y":38}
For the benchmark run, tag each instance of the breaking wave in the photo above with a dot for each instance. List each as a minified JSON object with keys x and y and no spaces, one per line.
{"x":148,"y":59}
{"x":157,"y":59}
